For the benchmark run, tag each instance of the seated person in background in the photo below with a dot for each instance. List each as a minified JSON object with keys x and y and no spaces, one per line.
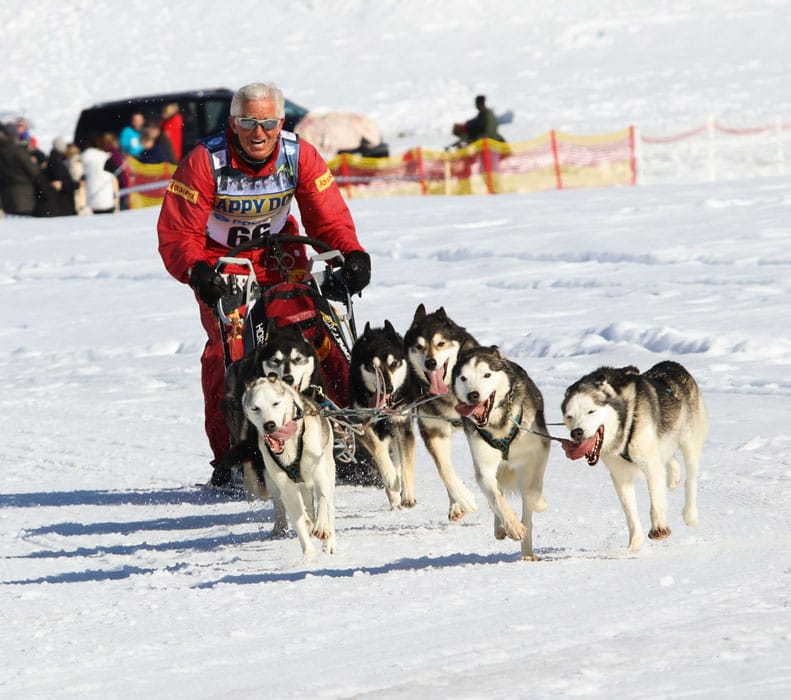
{"x":482,"y":125}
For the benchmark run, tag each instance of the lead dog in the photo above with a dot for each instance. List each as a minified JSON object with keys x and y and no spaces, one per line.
{"x":433,"y":343}
{"x":379,"y":378}
{"x":286,"y":354}
{"x":503,"y":413}
{"x":636,"y":423}
{"x":296,"y":443}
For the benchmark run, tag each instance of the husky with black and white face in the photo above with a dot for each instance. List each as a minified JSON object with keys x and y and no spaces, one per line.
{"x":379,"y":378}
{"x":286,"y":354}
{"x":433,"y":343}
{"x":296,"y":443}
{"x":503,"y":418}
{"x":636,"y":423}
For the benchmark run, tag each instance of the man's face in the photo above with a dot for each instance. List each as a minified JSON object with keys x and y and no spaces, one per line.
{"x":257,"y":142}
{"x":137,"y":121}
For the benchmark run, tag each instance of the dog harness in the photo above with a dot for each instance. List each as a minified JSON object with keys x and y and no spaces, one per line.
{"x":502,"y":444}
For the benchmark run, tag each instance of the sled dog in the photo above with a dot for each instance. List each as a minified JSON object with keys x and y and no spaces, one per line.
{"x":637,"y":423}
{"x":433,"y":343}
{"x":296,"y":444}
{"x":379,"y":378}
{"x":286,"y":354}
{"x":503,"y":419}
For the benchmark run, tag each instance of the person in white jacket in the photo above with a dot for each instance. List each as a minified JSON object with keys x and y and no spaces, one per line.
{"x":101,"y":186}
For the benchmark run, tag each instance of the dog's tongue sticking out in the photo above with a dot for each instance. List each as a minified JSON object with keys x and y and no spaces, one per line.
{"x":575,"y":450}
{"x":588,"y":448}
{"x":277,"y":439}
{"x":476,"y":410}
{"x":436,"y":380}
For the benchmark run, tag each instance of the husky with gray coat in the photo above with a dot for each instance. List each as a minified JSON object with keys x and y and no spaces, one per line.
{"x":637,"y":423}
{"x":296,"y":442}
{"x":433,"y":343}
{"x":503,"y":418}
{"x":379,"y":378}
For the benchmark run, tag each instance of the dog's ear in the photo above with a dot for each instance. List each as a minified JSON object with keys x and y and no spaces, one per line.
{"x":420,"y":313}
{"x":367,"y":331}
{"x":441,"y":312}
{"x":248,"y":383}
{"x":389,"y":327}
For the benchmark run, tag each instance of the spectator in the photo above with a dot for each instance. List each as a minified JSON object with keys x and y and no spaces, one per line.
{"x":172,"y":126}
{"x":18,"y":175}
{"x":117,"y":165}
{"x":482,"y":125}
{"x":23,"y":134}
{"x":77,"y":172}
{"x":155,"y":147}
{"x":101,"y":186}
{"x":57,"y":172}
{"x":131,"y":134}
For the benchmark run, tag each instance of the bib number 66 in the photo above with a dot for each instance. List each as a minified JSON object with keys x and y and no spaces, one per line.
{"x":240,"y":234}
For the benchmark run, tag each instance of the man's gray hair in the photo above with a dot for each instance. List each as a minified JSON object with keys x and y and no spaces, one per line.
{"x":258,"y":91}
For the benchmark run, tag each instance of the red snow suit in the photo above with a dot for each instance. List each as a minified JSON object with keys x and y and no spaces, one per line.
{"x":192,"y":197}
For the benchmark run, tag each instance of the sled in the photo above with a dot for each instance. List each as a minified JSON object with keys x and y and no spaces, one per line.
{"x":320,"y":307}
{"x":246,"y":309}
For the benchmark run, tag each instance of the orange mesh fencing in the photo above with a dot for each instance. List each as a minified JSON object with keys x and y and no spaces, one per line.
{"x":554,"y":160}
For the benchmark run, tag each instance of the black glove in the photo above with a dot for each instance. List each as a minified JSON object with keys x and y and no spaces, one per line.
{"x":357,"y":271}
{"x":207,"y":282}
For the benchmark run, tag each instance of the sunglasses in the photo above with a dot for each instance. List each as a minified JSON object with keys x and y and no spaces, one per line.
{"x":249,"y":123}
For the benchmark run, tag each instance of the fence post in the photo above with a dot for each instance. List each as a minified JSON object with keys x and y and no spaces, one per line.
{"x":558,"y":178}
{"x":632,"y":155}
{"x":781,"y":163}
{"x":420,"y":172}
{"x":345,"y":173}
{"x":446,"y":161}
{"x":712,"y":154}
{"x":487,"y":165}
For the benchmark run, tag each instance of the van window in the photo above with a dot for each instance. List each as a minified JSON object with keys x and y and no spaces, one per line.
{"x":217,"y":112}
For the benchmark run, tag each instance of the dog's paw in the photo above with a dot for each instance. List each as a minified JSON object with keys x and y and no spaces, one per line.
{"x":279,"y":531}
{"x":659,"y":533}
{"x":538,"y":504}
{"x":515,"y":529}
{"x":309,"y":554}
{"x":455,"y":513}
{"x":408,"y":502}
{"x":461,"y":502}
{"x":330,"y":545}
{"x":530,"y":557}
{"x":673,"y":475}
{"x":690,"y":516}
{"x":322,"y":533}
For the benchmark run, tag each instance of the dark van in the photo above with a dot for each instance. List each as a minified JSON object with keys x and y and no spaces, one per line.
{"x":204,"y":111}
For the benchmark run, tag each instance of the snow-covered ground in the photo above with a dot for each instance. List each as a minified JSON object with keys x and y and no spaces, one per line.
{"x":121,"y":579}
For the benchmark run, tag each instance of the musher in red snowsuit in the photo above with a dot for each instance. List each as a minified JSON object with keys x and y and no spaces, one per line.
{"x":238,"y":185}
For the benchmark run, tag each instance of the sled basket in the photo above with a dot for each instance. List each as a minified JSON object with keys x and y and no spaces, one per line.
{"x":246,"y":311}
